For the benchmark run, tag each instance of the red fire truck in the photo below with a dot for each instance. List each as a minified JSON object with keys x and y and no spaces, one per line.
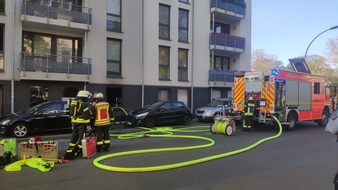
{"x":288,"y":95}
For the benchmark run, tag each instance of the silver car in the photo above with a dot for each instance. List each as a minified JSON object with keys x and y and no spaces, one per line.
{"x":208,"y":112}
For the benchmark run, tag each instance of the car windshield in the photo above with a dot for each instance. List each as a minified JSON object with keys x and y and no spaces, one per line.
{"x":215,"y":103}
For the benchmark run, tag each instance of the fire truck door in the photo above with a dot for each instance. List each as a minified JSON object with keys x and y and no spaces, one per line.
{"x":280,"y":95}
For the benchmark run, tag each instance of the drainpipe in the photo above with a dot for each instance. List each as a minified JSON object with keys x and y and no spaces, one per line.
{"x":13,"y":57}
{"x":85,"y":55}
{"x":192,"y":56}
{"x":142,"y":54}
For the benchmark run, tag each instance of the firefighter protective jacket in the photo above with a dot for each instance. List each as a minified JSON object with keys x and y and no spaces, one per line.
{"x":79,"y":112}
{"x":102,"y":113}
{"x":249,"y":108}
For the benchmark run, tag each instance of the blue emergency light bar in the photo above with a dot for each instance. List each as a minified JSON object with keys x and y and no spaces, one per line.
{"x":275,"y":72}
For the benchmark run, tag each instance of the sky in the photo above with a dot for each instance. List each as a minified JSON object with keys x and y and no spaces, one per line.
{"x":285,"y":28}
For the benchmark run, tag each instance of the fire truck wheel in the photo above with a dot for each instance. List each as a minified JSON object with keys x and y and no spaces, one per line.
{"x":292,"y":119}
{"x":325,"y":119}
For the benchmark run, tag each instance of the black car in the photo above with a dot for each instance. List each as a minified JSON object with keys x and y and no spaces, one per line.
{"x":157,"y":113}
{"x":42,"y":117}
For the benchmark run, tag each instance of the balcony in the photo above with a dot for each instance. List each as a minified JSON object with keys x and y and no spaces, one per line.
{"x":225,"y":43}
{"x":54,"y":67}
{"x":221,"y":78}
{"x":228,"y":10}
{"x":53,"y":15}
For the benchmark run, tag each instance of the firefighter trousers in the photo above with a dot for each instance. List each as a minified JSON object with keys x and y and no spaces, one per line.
{"x":247,"y":121}
{"x":79,"y":130}
{"x":102,"y":137}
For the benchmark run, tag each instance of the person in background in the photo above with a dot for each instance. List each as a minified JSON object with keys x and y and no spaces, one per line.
{"x":248,"y":113}
{"x":103,"y":116}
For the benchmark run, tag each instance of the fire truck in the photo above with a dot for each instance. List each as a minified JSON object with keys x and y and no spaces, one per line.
{"x":288,"y":95}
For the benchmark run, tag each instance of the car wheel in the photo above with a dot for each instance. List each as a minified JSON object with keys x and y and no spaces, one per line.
{"x":20,"y":130}
{"x":149,"y":122}
{"x":186,"y":120}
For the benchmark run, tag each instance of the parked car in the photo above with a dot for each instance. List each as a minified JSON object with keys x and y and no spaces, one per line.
{"x":157,"y":113}
{"x":42,"y":117}
{"x":208,"y":112}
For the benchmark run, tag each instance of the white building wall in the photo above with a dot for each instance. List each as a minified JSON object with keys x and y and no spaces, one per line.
{"x":201,"y":53}
{"x":131,"y":37}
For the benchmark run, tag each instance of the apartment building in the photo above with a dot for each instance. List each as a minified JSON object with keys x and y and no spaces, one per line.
{"x":137,"y":50}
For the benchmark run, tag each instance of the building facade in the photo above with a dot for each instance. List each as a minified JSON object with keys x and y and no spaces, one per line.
{"x":137,"y":50}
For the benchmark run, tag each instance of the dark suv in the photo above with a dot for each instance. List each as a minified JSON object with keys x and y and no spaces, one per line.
{"x":157,"y":113}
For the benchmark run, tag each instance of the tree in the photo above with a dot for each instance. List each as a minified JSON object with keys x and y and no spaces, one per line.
{"x":264,"y":62}
{"x":332,"y":58}
{"x":332,"y":51}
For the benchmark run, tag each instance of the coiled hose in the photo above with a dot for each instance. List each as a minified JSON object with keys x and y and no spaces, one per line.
{"x":167,"y":132}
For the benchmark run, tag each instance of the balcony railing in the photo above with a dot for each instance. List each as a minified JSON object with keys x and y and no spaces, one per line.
{"x":223,"y":76}
{"x":227,"y":40}
{"x":236,"y":6}
{"x":57,"y":10}
{"x":55,"y":64}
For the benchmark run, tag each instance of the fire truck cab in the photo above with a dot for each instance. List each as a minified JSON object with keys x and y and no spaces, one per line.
{"x":288,"y":95}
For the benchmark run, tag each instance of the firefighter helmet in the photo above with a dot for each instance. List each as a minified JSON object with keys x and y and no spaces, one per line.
{"x":250,"y":98}
{"x":82,"y":94}
{"x":98,"y":95}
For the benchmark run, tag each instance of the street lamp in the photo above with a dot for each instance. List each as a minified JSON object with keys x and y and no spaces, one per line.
{"x":332,"y":28}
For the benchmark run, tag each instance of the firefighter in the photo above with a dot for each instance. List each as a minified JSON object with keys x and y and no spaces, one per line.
{"x":80,"y":118}
{"x":103,"y":116}
{"x":248,"y":113}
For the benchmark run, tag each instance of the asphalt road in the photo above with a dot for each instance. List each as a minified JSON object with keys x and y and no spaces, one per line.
{"x":306,"y":158}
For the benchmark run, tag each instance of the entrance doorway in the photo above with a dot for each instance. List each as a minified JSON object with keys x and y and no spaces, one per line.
{"x":113,"y":94}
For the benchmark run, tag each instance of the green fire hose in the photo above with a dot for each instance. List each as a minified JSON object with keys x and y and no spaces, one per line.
{"x":165,"y":133}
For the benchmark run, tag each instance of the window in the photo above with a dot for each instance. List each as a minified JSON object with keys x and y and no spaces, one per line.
{"x":114,"y":15}
{"x":184,"y":1}
{"x":220,"y":63}
{"x":2,"y":6}
{"x":113,"y":57}
{"x":163,"y":95}
{"x":183,"y":25}
{"x":64,"y":49}
{"x":164,"y":19}
{"x":42,"y":44}
{"x":164,"y":66}
{"x":220,"y":28}
{"x":316,"y":88}
{"x":182,"y":64}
